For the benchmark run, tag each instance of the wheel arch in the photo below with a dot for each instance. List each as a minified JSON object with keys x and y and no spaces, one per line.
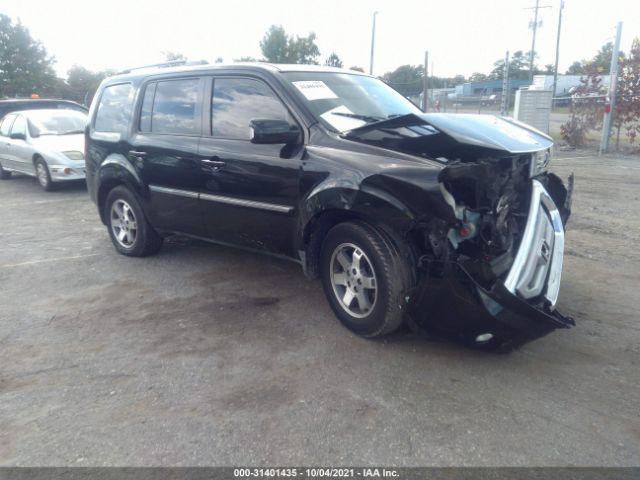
{"x":332,"y":207}
{"x":115,"y":171}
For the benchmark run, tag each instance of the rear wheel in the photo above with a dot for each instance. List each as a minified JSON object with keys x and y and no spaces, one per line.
{"x":130,"y":232}
{"x":4,"y":174}
{"x":364,"y":278}
{"x":43,"y":175}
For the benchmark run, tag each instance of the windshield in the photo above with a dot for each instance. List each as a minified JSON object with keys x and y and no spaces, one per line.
{"x":56,"y":122}
{"x":346,"y":101}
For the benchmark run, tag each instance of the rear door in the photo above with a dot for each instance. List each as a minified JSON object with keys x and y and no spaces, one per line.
{"x":251,"y":191}
{"x":166,"y":146}
{"x":20,"y":151}
{"x":5,"y":142}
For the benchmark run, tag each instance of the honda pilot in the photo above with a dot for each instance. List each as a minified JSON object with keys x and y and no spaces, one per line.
{"x":448,"y":222}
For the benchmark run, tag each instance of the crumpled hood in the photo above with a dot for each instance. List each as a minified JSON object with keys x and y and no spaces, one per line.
{"x":60,"y":143}
{"x":452,"y":136}
{"x":489,"y":131}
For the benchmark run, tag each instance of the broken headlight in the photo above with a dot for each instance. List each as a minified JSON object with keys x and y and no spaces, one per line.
{"x":539,"y":161}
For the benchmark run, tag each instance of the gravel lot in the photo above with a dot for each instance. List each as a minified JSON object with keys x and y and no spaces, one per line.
{"x":204,"y":355}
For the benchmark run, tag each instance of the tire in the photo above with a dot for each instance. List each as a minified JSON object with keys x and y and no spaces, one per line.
{"x":4,"y":174}
{"x":43,"y":175}
{"x":130,"y":232}
{"x":371,"y":312}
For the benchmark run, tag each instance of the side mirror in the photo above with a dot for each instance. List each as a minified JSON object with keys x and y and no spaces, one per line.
{"x":273,"y":132}
{"x":18,"y":136}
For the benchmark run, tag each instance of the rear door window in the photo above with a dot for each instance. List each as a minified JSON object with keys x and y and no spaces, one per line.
{"x":114,"y":109}
{"x":19,"y":126}
{"x":172,"y":107}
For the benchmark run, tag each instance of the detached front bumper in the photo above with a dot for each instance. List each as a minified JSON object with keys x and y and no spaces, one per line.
{"x":521,"y":305}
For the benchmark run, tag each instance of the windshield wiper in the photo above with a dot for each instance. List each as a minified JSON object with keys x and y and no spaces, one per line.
{"x":72,"y":132}
{"x":366,"y":118}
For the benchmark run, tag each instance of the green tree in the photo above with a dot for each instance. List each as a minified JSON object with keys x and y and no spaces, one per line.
{"x":25,"y":66}
{"x":518,"y":67}
{"x":477,"y":77}
{"x":333,"y":61}
{"x":407,"y":79}
{"x":278,"y":47}
{"x":83,"y":83}
{"x":600,"y":63}
{"x":576,"y":68}
{"x":275,"y":45}
{"x":602,"y":60}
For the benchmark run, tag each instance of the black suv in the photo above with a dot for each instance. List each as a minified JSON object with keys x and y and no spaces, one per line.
{"x":448,"y":222}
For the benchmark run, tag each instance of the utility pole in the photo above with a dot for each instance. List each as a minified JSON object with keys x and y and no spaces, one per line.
{"x":534,"y":26}
{"x":504,"y":101}
{"x":425,"y":101}
{"x":373,"y":41}
{"x":611,"y":100}
{"x":555,"y":69}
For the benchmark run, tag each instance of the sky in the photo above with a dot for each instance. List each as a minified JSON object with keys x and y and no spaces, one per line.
{"x":462,"y":36}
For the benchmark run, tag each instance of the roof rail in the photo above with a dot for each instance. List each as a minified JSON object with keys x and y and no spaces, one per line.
{"x":173,"y":63}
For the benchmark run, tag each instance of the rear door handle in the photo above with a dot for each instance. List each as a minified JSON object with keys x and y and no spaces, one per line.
{"x":214,"y":164}
{"x":135,"y":153}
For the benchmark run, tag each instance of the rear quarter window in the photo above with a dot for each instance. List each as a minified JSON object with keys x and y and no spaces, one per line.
{"x":114,"y":109}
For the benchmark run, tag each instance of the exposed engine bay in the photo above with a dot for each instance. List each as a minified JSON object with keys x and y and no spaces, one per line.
{"x":490,"y":200}
{"x":490,"y":263}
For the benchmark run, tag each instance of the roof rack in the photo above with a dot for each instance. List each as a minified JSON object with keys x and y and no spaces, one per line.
{"x":173,"y":63}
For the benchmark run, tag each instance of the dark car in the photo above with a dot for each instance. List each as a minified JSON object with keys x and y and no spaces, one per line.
{"x":448,"y":222}
{"x":19,"y":104}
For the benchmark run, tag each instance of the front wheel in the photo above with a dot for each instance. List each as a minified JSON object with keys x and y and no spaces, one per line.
{"x":364,"y":277}
{"x":44,"y":177}
{"x":130,"y":232}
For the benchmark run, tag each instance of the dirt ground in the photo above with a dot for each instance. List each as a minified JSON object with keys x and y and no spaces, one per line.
{"x":204,"y":355}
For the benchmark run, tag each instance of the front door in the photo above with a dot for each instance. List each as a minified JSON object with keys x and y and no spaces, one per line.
{"x":165,"y":149}
{"x":251,"y":191}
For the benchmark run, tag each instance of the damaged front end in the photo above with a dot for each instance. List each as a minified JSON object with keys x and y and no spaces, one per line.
{"x":489,"y":272}
{"x":502,"y":257}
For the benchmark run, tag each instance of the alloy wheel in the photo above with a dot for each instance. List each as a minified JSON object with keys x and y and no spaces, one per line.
{"x":123,"y":223}
{"x":353,"y":280}
{"x":41,"y":172}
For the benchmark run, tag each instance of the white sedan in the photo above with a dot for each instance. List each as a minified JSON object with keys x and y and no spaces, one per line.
{"x":47,"y":144}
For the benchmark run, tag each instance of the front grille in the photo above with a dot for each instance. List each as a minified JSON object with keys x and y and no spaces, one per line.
{"x":537,"y":267}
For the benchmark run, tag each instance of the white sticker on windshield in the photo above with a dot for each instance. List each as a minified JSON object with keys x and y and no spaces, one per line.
{"x":315,"y":89}
{"x":341,"y":122}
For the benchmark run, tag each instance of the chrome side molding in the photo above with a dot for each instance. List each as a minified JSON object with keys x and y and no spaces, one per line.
{"x":222,"y":199}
